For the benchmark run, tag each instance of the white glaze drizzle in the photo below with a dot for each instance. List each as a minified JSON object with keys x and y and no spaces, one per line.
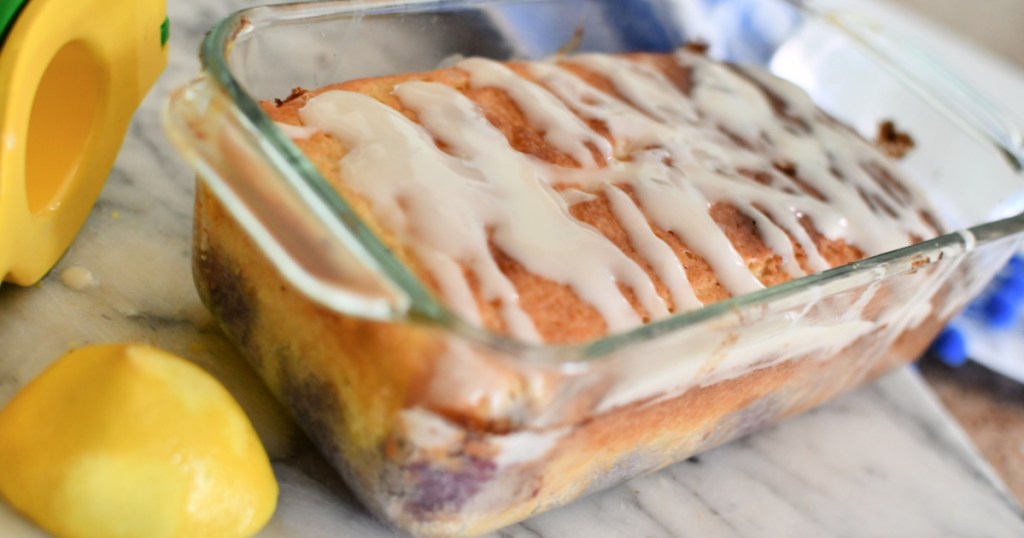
{"x":296,"y":132}
{"x":778,"y":241}
{"x":675,"y":204}
{"x":533,"y":223}
{"x":452,"y":281}
{"x":643,"y":86}
{"x":676,"y":153}
{"x":650,"y":247}
{"x":576,"y":196}
{"x":562,"y":129}
{"x":387,"y":154}
{"x":671,"y":201}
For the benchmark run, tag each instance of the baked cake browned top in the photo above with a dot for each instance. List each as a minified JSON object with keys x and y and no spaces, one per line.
{"x":563,"y":200}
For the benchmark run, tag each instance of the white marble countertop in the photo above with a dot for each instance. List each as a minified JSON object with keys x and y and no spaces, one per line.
{"x":884,"y":461}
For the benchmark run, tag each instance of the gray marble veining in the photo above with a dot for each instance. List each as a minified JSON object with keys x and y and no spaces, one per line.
{"x":883,"y":461}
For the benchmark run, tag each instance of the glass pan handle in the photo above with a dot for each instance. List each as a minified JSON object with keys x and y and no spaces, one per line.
{"x":291,"y":225}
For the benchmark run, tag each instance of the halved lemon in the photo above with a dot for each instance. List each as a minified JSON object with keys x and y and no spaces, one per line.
{"x":128,"y":440}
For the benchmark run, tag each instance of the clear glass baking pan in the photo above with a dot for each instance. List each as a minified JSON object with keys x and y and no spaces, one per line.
{"x":443,"y":428}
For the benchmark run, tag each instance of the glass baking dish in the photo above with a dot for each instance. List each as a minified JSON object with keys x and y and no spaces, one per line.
{"x":443,"y":428}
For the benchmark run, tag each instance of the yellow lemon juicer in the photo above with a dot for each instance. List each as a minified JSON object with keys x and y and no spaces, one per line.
{"x":72,"y":73}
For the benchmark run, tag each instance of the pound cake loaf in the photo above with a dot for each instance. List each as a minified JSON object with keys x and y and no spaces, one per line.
{"x":556,"y":203}
{"x":560,"y":202}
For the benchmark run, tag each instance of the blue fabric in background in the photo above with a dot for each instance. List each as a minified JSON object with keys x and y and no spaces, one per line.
{"x":743,"y":31}
{"x":746,"y":31}
{"x":644,"y":26}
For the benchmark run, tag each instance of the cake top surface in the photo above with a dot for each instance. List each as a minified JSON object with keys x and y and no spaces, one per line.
{"x":641,"y":185}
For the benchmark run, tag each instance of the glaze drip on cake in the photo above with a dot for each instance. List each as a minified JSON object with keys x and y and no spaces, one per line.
{"x":662,"y":147}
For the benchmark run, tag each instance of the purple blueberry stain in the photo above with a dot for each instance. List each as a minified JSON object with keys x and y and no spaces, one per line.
{"x":444,"y":490}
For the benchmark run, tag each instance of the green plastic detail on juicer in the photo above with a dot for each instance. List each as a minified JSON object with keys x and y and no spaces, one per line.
{"x":8,"y":12}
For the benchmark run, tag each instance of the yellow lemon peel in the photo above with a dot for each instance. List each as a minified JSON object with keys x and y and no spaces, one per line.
{"x":128,"y":440}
